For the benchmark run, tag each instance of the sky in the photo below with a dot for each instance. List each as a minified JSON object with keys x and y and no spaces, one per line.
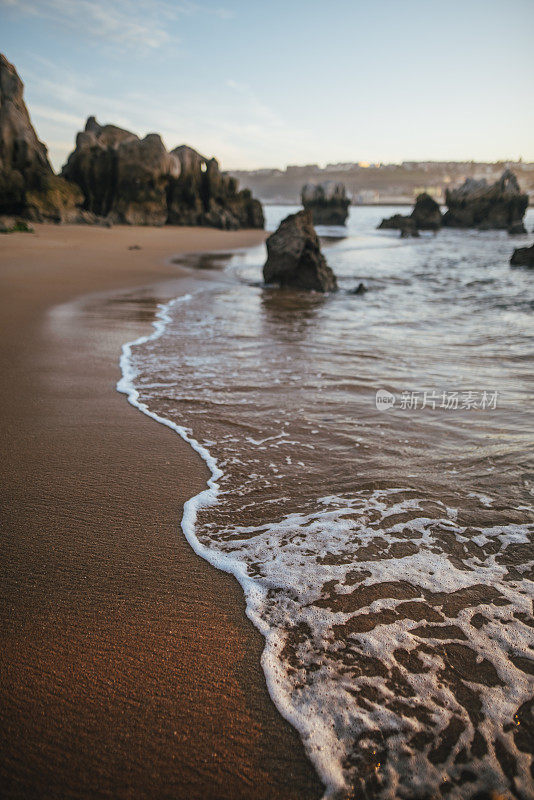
{"x":271,"y":83}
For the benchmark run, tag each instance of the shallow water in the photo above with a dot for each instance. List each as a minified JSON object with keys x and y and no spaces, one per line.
{"x":386,"y":554}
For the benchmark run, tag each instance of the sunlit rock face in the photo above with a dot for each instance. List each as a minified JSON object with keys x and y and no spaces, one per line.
{"x":294,"y":256}
{"x":475,"y":204}
{"x":137,"y":182}
{"x":328,"y":202}
{"x":28,"y":186}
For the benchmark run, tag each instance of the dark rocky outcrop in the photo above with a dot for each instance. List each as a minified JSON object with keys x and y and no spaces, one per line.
{"x":426,"y":216}
{"x":202,"y":195}
{"x":399,"y":222}
{"x":328,"y":202}
{"x":28,"y":186}
{"x":294,"y":256}
{"x":121,"y":176}
{"x":523,"y":257}
{"x":112,"y":175}
{"x":137,"y":182}
{"x":426,"y":213}
{"x":476,"y":204}
{"x":517,"y":229}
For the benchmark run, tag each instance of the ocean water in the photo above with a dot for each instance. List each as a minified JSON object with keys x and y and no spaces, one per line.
{"x":384,"y":548}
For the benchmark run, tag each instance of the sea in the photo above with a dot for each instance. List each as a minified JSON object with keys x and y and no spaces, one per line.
{"x":372,"y":481}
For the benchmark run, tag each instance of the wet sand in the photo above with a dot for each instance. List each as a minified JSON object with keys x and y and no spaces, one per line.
{"x":128,"y":668}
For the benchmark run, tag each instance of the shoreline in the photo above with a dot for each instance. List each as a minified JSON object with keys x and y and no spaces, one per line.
{"x":129,"y":666}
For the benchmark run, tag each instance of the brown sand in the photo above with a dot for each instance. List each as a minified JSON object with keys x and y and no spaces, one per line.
{"x":128,"y":668}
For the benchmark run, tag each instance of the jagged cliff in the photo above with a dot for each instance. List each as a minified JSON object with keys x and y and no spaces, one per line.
{"x":28,"y":186}
{"x":136,"y":181}
{"x":112,"y":174}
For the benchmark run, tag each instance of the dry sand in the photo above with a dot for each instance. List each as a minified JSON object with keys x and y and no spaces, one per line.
{"x":128,"y":667}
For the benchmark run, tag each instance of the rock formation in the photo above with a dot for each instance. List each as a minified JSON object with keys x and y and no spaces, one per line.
{"x":517,"y":229}
{"x":476,"y":204}
{"x":112,"y":175}
{"x":202,"y":195}
{"x":294,"y":256}
{"x":28,"y":186}
{"x":327,"y":202}
{"x":426,"y":216}
{"x":523,"y":257}
{"x":137,"y":182}
{"x":399,"y":222}
{"x":426,"y":213}
{"x":122,"y":177}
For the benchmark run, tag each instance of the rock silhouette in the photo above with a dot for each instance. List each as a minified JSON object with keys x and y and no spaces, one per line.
{"x":294,"y":256}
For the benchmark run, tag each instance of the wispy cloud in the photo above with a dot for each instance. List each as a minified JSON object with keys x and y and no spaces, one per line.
{"x":148,"y":24}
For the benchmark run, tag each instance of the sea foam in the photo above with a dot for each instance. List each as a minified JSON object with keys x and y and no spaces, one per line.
{"x":331,"y":678}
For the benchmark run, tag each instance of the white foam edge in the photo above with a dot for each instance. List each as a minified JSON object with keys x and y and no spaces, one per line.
{"x":330,"y":775}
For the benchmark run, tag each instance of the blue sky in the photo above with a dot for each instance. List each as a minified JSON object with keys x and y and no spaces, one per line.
{"x":273,"y":83}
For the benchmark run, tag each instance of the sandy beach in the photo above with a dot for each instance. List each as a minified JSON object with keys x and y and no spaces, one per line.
{"x":129,"y":669}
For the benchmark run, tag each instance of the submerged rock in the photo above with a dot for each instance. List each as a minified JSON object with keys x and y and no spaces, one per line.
{"x":408,"y":228}
{"x":476,"y":204}
{"x":426,"y":216}
{"x":359,"y":289}
{"x":294,"y":256}
{"x":523,"y":257}
{"x":328,"y":202}
{"x":398,"y":222}
{"x":28,"y":186}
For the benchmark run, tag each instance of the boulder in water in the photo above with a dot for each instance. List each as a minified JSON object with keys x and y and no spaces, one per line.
{"x":359,"y":289}
{"x":426,"y":213}
{"x":294,"y":256}
{"x":426,"y":216}
{"x":477,"y":204}
{"x":328,"y":202}
{"x":398,"y":222}
{"x":523,"y":257}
